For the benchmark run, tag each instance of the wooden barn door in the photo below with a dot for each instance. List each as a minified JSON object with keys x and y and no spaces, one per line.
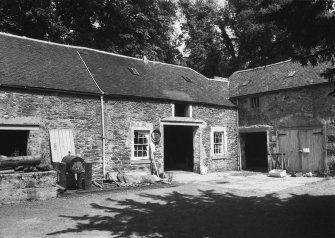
{"x":289,"y":144}
{"x":62,"y":143}
{"x":303,"y":148}
{"x":314,"y":160}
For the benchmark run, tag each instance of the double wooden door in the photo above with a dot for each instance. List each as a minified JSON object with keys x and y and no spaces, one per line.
{"x":303,"y":147}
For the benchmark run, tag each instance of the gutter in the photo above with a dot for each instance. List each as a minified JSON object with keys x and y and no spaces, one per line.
{"x":51,"y":90}
{"x":239,"y":167}
{"x":103,"y":137}
{"x":102,"y":119}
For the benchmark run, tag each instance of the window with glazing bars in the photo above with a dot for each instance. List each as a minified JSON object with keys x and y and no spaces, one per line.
{"x":218,"y":143}
{"x":254,"y":102}
{"x":141,"y":144}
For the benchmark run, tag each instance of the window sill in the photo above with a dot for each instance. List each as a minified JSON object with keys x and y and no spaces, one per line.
{"x":222,"y":157}
{"x":140,"y":161}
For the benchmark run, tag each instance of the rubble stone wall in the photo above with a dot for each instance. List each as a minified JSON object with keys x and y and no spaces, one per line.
{"x":123,"y":114}
{"x":306,"y":106}
{"x":27,"y":186}
{"x":55,"y":111}
{"x":217,"y":117}
{"x":82,"y":114}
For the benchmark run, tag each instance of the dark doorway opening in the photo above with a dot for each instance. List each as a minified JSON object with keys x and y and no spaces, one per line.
{"x":13,"y":142}
{"x":254,"y":151}
{"x":178,"y":148}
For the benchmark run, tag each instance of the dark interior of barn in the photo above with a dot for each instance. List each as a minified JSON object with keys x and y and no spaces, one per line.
{"x":178,"y":148}
{"x":255,"y":149}
{"x":13,"y":142}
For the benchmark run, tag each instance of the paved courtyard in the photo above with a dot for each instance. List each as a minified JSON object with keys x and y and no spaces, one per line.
{"x":230,"y":204}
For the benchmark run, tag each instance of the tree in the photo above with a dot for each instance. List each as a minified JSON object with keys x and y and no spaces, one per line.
{"x":31,"y":18}
{"x":201,"y":35}
{"x":137,"y":28}
{"x":222,"y":40}
{"x":129,"y":27}
{"x":308,"y":27}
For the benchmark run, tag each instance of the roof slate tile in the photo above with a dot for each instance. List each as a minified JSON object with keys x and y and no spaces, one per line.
{"x":37,"y":64}
{"x":275,"y":77}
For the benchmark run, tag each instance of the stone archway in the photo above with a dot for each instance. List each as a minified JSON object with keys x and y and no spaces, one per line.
{"x":299,"y":120}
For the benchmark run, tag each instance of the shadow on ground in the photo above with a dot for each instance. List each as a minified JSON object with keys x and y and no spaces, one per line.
{"x":212,"y":214}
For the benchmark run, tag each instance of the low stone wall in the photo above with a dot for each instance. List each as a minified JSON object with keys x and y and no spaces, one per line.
{"x":17,"y":187}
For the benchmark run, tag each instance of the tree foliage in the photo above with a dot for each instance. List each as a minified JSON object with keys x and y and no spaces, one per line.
{"x":218,"y":39}
{"x":308,"y":26}
{"x":129,"y":27}
{"x":31,"y":18}
{"x":202,"y":38}
{"x":222,"y":40}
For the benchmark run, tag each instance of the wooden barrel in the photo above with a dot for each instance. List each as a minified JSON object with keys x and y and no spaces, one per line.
{"x":74,"y":164}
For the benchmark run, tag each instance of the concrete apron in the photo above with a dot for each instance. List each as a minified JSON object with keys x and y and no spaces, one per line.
{"x":242,"y":180}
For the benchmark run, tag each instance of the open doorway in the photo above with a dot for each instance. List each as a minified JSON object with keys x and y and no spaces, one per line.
{"x":178,"y":148}
{"x":254,"y":151}
{"x":13,"y":142}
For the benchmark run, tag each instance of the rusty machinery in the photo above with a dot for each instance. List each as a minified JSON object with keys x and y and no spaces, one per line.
{"x":74,"y":173}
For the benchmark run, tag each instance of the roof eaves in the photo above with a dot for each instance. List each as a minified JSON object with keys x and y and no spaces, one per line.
{"x":48,"y":89}
{"x":277,"y":90}
{"x":227,"y":102}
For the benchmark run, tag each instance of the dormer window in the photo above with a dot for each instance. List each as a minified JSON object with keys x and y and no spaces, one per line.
{"x":254,"y":101}
{"x":187,"y":79}
{"x":182,"y":110}
{"x":291,"y":74}
{"x":133,"y":71}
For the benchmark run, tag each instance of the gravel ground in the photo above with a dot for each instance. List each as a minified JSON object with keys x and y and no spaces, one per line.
{"x":213,"y":207}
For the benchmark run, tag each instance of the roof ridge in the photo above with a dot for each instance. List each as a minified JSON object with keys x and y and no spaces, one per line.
{"x":94,"y":50}
{"x":260,"y":67}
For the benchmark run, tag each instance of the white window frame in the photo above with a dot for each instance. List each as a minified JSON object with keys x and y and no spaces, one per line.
{"x":133,"y":130}
{"x":220,"y":145}
{"x":219,"y":129}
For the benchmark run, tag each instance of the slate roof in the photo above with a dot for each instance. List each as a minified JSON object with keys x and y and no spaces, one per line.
{"x":279,"y":76}
{"x":38,"y":64}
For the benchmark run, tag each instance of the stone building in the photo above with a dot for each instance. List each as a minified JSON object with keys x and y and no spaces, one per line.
{"x":284,"y":108}
{"x":58,"y":99}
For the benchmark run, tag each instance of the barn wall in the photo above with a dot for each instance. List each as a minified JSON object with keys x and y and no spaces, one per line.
{"x":83,"y":115}
{"x":295,"y":107}
{"x":124,"y":114}
{"x":216,"y":117}
{"x":55,"y":111}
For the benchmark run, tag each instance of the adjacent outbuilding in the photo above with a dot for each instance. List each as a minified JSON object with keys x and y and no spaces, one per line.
{"x":285,"y":108}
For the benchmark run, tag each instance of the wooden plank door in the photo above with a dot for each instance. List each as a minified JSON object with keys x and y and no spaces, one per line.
{"x":289,"y":144}
{"x":315,"y":159}
{"x":304,"y":137}
{"x":293,"y":141}
{"x":61,"y":143}
{"x":318,"y":157}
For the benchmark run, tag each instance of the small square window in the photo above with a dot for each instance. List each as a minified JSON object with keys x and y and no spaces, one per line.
{"x":182,"y":110}
{"x":255,"y":102}
{"x":141,"y":144}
